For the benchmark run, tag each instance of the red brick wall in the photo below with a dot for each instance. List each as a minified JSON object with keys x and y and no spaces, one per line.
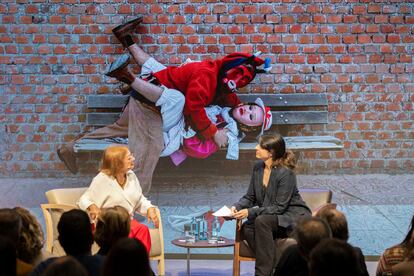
{"x":53,"y":54}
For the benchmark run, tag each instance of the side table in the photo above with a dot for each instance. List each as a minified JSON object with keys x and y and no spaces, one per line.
{"x":200,"y":244}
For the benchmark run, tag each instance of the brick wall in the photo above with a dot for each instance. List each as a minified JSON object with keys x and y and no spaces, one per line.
{"x":53,"y":54}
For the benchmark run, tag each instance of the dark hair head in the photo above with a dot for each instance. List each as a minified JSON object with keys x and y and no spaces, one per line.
{"x":309,"y":232}
{"x":275,"y":144}
{"x":113,"y":224}
{"x":408,"y":241}
{"x":128,"y":257}
{"x":333,"y":257}
{"x":7,"y":257}
{"x":31,"y":237}
{"x":10,"y":225}
{"x":65,"y":266}
{"x":75,"y":232}
{"x":336,"y":221}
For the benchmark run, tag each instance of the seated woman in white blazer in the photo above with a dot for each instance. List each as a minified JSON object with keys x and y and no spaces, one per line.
{"x":117,"y":185}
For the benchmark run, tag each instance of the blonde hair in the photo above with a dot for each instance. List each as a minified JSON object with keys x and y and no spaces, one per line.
{"x":275,"y":144}
{"x":113,"y":223}
{"x":113,"y":159}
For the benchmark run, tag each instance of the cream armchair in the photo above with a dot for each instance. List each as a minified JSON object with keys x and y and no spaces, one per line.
{"x":316,"y":199}
{"x":62,"y":200}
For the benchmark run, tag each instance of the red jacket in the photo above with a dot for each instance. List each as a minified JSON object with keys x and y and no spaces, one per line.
{"x":198,"y":82}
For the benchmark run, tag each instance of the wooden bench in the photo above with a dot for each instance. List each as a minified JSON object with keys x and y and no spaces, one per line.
{"x":287,"y":109}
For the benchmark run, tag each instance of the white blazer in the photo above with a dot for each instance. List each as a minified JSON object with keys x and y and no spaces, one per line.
{"x":105,"y":191}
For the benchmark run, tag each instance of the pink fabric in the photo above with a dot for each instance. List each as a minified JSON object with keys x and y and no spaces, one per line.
{"x":178,"y":157}
{"x":196,"y":148}
{"x":140,"y":232}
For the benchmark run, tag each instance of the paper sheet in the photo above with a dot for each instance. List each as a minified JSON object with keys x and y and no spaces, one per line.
{"x":223,"y":212}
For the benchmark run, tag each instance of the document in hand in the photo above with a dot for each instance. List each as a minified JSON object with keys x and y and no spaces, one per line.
{"x":223,"y":212}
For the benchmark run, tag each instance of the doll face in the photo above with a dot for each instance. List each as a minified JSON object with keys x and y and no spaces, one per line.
{"x":241,"y":75}
{"x":248,"y":114}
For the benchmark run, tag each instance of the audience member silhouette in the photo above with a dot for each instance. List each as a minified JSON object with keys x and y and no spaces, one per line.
{"x":75,"y":236}
{"x":113,"y":224}
{"x":333,"y":257}
{"x":10,"y":227}
{"x":339,"y":227}
{"x":128,"y":257}
{"x":397,"y":253}
{"x":7,"y":257}
{"x":29,"y":247}
{"x":65,"y":266}
{"x":308,"y":234}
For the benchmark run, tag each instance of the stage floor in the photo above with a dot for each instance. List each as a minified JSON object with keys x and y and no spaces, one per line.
{"x":378,"y":207}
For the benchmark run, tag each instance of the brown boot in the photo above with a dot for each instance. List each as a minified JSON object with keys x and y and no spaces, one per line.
{"x":125,"y":89}
{"x":67,"y":156}
{"x":124,"y":32}
{"x":119,"y":70}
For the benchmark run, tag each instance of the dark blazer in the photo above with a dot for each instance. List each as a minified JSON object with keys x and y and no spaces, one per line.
{"x":281,"y":197}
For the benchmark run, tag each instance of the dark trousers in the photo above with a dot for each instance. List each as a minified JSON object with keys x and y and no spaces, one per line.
{"x":260,"y":235}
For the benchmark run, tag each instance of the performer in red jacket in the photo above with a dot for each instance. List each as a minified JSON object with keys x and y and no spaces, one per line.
{"x":202,"y":83}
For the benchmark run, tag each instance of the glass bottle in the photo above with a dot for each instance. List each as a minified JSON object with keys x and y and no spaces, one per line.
{"x":215,"y":229}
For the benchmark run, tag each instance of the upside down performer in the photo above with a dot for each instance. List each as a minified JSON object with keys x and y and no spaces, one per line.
{"x":199,"y":83}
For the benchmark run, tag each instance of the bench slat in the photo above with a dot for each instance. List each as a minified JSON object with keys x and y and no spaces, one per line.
{"x":106,"y":101}
{"x":279,"y":118}
{"x":273,"y":100}
{"x":281,"y":100}
{"x":296,"y":143}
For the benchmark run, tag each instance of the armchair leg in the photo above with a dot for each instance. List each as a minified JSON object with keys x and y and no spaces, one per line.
{"x":161,"y":267}
{"x":236,"y":266}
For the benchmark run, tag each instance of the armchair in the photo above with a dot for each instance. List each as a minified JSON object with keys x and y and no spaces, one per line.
{"x":62,"y":200}
{"x":316,"y":199}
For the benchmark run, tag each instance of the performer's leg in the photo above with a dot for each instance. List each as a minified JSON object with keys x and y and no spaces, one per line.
{"x":265,"y":226}
{"x":124,"y":33}
{"x":138,"y":54}
{"x":117,"y":129}
{"x":145,"y":141}
{"x":140,"y":232}
{"x":119,"y":70}
{"x":66,"y":152}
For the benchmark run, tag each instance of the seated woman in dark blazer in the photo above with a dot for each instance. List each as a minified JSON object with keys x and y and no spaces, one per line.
{"x":272,"y":202}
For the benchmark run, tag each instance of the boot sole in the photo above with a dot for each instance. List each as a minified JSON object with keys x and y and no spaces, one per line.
{"x":119,"y":63}
{"x":128,"y":25}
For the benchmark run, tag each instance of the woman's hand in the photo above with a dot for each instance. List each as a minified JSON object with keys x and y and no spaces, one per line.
{"x":93,"y":211}
{"x":241,"y":214}
{"x":152,"y":216}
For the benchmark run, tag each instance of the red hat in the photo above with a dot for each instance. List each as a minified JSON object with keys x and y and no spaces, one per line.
{"x":267,"y":115}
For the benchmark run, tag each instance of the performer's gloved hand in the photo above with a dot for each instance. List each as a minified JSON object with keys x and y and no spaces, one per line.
{"x":220,"y":138}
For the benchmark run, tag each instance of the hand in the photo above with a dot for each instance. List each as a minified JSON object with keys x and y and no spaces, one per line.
{"x":93,"y":211}
{"x":152,"y":216}
{"x":220,"y":138}
{"x":241,"y":214}
{"x":233,"y":210}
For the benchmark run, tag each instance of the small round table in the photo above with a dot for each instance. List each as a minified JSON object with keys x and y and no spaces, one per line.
{"x":200,"y":244}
